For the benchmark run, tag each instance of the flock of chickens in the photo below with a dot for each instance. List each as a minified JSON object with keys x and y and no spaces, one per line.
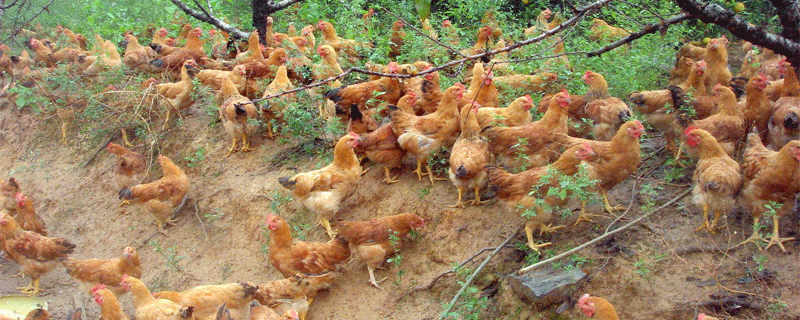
{"x":744,"y":131}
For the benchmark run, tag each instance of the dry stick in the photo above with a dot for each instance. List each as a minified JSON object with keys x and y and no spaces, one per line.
{"x":602,"y":237}
{"x":451,"y":49}
{"x":578,"y":16}
{"x":451,"y":271}
{"x":475,"y":273}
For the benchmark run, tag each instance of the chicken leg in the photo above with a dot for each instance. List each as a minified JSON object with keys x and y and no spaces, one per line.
{"x":776,"y":239}
{"x":327,"y":224}
{"x":433,"y":178}
{"x":245,"y":143}
{"x":529,"y":235}
{"x":477,"y":201}
{"x":607,"y":204}
{"x":713,"y":227}
{"x":64,"y":125}
{"x":372,"y":278}
{"x":583,"y":216}
{"x":459,"y":204}
{"x":32,"y":289}
{"x":232,"y":149}
{"x":389,"y":179}
{"x":756,"y":237}
{"x":705,"y":225}
{"x":418,"y":171}
{"x":125,"y":138}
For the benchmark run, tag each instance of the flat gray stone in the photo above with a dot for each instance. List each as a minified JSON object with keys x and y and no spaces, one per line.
{"x":545,"y":287}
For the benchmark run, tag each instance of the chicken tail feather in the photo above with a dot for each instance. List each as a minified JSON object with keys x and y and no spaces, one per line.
{"x":287,"y":182}
{"x":125,"y":193}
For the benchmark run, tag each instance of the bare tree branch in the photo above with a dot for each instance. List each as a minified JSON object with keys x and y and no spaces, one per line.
{"x":789,"y":14}
{"x":716,"y":14}
{"x":210,"y":19}
{"x":16,"y":29}
{"x":652,"y":28}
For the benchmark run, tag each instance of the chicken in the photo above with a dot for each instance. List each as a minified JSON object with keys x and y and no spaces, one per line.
{"x":529,"y":145}
{"x":361,"y":123}
{"x":38,"y":314}
{"x":258,"y":312}
{"x":136,"y":56}
{"x":539,"y":82}
{"x":26,"y":215}
{"x":89,"y":273}
{"x":520,"y":191}
{"x":616,"y":159}
{"x":784,"y":125}
{"x":207,"y":299}
{"x":163,"y":196}
{"x":178,"y":95}
{"x":9,"y":191}
{"x":397,"y":39}
{"x":597,"y":307}
{"x":431,"y":96}
{"x":598,"y":89}
{"x":717,"y":177}
{"x":381,"y":147}
{"x":482,"y":42}
{"x":253,"y":53}
{"x":150,"y":308}
{"x":450,"y":33}
{"x":485,"y":92}
{"x":371,"y":240}
{"x":341,"y":45}
{"x":274,"y":113}
{"x":542,"y":22}
{"x":110,"y":308}
{"x":329,"y":67}
{"x":422,"y":136}
{"x":788,"y":86}
{"x":602,"y":31}
{"x":606,"y":113}
{"x":107,"y":58}
{"x":35,"y":253}
{"x":771,"y":179}
{"x":727,"y":125}
{"x":515,"y":114}
{"x":360,"y":93}
{"x":290,"y":257}
{"x":42,"y":53}
{"x":323,"y":190}
{"x":296,"y":292}
{"x":757,"y":108}
{"x":130,"y":169}
{"x":238,"y":116}
{"x":717,"y":59}
{"x":192,"y":50}
{"x":469,"y":155}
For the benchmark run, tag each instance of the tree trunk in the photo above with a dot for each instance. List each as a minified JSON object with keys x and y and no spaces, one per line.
{"x":263,"y":9}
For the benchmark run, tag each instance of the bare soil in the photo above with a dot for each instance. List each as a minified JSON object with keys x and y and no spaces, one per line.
{"x":220,"y":233}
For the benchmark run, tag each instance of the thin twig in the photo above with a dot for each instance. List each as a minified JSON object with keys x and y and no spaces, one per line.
{"x":602,"y":237}
{"x":451,"y":49}
{"x":198,"y":219}
{"x":475,"y":273}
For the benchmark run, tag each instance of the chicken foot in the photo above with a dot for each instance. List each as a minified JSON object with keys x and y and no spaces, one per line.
{"x":327,"y":224}
{"x":776,"y":239}
{"x":232,"y":149}
{"x":584,"y":216}
{"x":389,"y":179}
{"x":125,"y":138}
{"x":372,"y":278}
{"x":529,"y":235}
{"x":608,"y":205}
{"x":755,"y":238}
{"x":705,"y":225}
{"x":245,"y":143}
{"x":477,"y":201}
{"x":432,"y":177}
{"x":459,"y":204}
{"x":32,"y":289}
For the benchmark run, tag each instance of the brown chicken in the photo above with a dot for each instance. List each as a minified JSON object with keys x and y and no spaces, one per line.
{"x":727,"y":125}
{"x":35,"y":253}
{"x":485,"y":92}
{"x":529,"y":145}
{"x":150,"y":308}
{"x":108,"y":272}
{"x":515,"y":114}
{"x":397,"y":39}
{"x":323,"y":190}
{"x":296,"y":292}
{"x":422,"y":136}
{"x":788,"y":86}
{"x":130,"y":169}
{"x":9,"y":190}
{"x":539,"y":82}
{"x":253,"y":53}
{"x":784,"y":125}
{"x":717,"y":58}
{"x":520,"y":191}
{"x":597,"y":307}
{"x":602,"y":31}
{"x":360,"y":93}
{"x":431,"y":96}
{"x":606,"y":113}
{"x":469,"y":155}
{"x":757,"y":108}
{"x":192,"y":50}
{"x":258,"y":312}
{"x":238,"y":116}
{"x":717,"y":177}
{"x":110,"y":309}
{"x":381,"y":147}
{"x":163,"y":196}
{"x":342,"y":46}
{"x":178,"y":95}
{"x":291,"y":257}
{"x":26,"y":215}
{"x":616,"y":159}
{"x":482,"y":42}
{"x":274,"y":113}
{"x":771,"y":179}
{"x":136,"y":56}
{"x":207,"y":299}
{"x":371,"y":240}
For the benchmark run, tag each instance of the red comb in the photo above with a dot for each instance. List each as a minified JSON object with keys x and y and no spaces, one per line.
{"x":690,"y":129}
{"x":99,"y":287}
{"x":527,"y":96}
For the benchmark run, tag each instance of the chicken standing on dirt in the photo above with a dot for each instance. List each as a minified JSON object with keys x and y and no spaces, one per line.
{"x":292,"y":257}
{"x":371,"y":240}
{"x":597,"y":307}
{"x":35,"y":253}
{"x":207,"y":299}
{"x":616,"y":159}
{"x":178,"y":95}
{"x":520,"y":191}
{"x":717,"y":178}
{"x":238,"y":116}
{"x":89,"y":273}
{"x":26,"y":215}
{"x":110,"y":308}
{"x":323,"y":190}
{"x":275,"y":106}
{"x":771,"y":177}
{"x":469,"y":155}
{"x":131,"y":167}
{"x":381,"y":147}
{"x":149,"y":308}
{"x":163,"y":196}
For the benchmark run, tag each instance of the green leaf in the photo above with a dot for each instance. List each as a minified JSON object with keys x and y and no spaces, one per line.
{"x":423,"y":8}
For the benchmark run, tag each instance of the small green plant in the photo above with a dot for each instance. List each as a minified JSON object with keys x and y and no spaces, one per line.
{"x":561,"y":186}
{"x":194,"y":160}
{"x":278,"y":200}
{"x":169,"y":254}
{"x":473,"y":301}
{"x":397,"y":258}
{"x":425,"y":191}
{"x":761,"y":260}
{"x":519,"y":154}
{"x":214,"y":215}
{"x":226,"y":270}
